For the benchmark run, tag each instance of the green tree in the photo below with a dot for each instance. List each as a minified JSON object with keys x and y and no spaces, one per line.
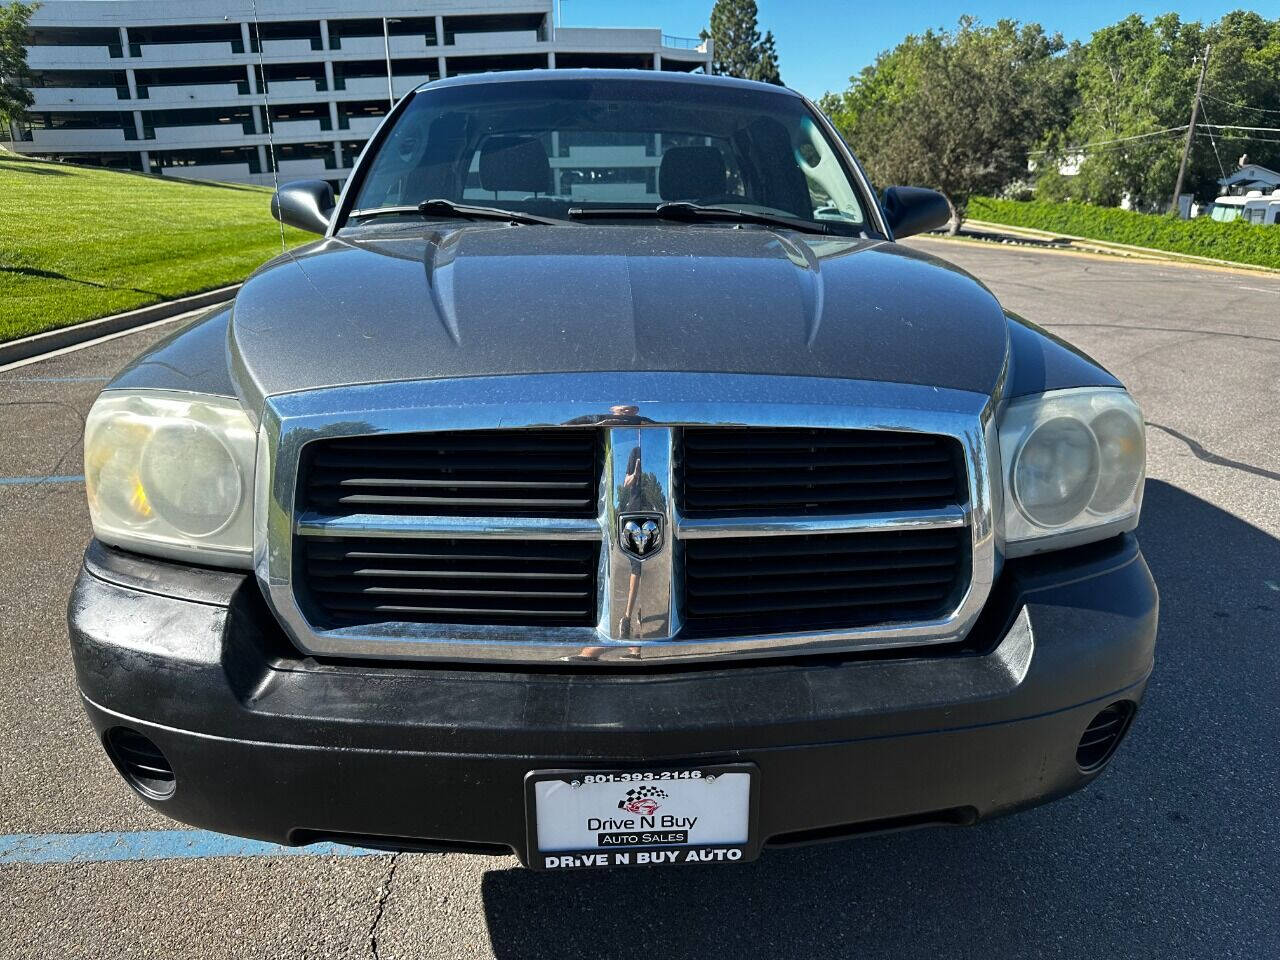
{"x":1136,"y":78}
{"x":739,"y":50}
{"x":1242,"y":87}
{"x":956,"y":110}
{"x":15,"y":98}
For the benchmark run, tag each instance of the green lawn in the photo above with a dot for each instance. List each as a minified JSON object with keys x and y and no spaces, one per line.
{"x":78,"y":243}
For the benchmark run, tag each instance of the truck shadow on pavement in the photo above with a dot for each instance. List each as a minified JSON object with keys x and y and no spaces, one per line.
{"x":1170,"y":854}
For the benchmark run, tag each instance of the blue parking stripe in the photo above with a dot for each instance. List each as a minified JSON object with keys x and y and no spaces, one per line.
{"x":33,"y":481}
{"x":153,"y":845}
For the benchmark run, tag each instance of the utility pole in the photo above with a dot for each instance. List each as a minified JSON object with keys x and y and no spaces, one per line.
{"x":386,"y":46}
{"x":1191,"y":130}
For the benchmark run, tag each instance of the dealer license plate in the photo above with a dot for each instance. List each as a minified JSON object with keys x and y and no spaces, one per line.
{"x":617,"y":818}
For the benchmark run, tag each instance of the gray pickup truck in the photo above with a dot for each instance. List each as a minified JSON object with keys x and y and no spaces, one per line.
{"x":608,"y":487}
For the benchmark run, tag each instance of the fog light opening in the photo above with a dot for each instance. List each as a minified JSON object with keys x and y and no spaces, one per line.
{"x":140,"y":762}
{"x":1103,"y":735}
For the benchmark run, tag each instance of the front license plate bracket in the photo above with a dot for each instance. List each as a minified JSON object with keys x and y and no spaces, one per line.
{"x":659,"y":816}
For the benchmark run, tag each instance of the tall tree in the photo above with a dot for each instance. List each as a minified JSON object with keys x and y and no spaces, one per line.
{"x":739,"y":50}
{"x":15,"y":98}
{"x":1134,"y":80}
{"x":1137,"y":78}
{"x":955,"y":110}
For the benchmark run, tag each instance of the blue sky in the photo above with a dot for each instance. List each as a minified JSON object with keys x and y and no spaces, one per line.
{"x":822,"y":42}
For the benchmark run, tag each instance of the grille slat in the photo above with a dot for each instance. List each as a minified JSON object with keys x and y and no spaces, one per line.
{"x":801,"y":602}
{"x":481,"y":440}
{"x":460,"y":484}
{"x":754,"y":585}
{"x":828,"y":584}
{"x":486,"y":506}
{"x":319,"y":570}
{"x":791,"y":546}
{"x":818,"y":477}
{"x":454,"y":591}
{"x":766,"y":438}
{"x":739,"y":502}
{"x":491,"y":615}
{"x":740,"y":471}
{"x":445,"y":457}
{"x":828,"y":565}
{"x":475,"y":473}
{"x":401,"y":550}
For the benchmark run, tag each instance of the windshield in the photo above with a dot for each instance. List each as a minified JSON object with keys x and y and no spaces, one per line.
{"x":546,"y":146}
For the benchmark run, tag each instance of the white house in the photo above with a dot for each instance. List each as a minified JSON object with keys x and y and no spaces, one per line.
{"x":1251,"y":176}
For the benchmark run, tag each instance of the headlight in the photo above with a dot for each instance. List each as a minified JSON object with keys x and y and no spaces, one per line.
{"x":1074,"y":464}
{"x":171,"y":474}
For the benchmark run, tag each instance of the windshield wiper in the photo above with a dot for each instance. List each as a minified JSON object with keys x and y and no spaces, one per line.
{"x":683,"y":212}
{"x":448,"y":210}
{"x":463,"y":211}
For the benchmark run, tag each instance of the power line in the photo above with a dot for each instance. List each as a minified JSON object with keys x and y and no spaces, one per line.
{"x":1240,"y":106}
{"x":1217,"y":156}
{"x":1234,"y":126}
{"x":1239,"y":138}
{"x":1103,"y":143}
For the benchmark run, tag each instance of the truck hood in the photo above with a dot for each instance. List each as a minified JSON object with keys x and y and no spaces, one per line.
{"x":410,"y":302}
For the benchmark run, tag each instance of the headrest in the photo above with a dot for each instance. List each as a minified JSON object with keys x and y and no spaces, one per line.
{"x":517,"y":164}
{"x":691,"y":173}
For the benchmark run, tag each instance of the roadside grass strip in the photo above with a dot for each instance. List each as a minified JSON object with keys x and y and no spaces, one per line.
{"x":45,"y":848}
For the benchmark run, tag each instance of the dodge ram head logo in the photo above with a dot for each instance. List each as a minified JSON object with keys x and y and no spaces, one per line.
{"x":641,"y":536}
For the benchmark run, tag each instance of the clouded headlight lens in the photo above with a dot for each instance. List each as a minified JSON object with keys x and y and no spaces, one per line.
{"x":1122,"y":446}
{"x":1074,"y":463}
{"x":1056,"y":472}
{"x":170,"y":474}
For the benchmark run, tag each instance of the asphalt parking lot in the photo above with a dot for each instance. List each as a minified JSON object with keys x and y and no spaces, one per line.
{"x":1173,"y":853}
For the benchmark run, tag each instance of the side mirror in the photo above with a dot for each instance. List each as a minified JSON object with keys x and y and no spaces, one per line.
{"x":305,"y":204}
{"x":914,"y":210}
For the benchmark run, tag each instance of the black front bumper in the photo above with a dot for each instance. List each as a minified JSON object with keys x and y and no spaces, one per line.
{"x":266,"y":743}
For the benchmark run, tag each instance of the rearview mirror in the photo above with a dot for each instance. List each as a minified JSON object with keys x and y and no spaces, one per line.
{"x":305,"y":204}
{"x":914,"y":210}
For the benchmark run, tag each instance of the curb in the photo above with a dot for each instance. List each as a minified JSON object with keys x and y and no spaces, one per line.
{"x":1108,"y":246}
{"x":50,"y":340}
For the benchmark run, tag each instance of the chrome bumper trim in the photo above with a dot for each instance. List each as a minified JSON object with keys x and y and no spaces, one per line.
{"x":508,"y":528}
{"x":702,"y":529}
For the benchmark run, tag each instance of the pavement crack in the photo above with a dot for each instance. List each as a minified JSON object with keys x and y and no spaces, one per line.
{"x":1147,"y":328}
{"x":383,"y":895}
{"x":1201,"y":453}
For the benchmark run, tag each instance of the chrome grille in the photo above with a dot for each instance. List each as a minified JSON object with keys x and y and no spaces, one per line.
{"x":481,"y":520}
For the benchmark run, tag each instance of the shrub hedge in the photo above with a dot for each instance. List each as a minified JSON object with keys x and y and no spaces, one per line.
{"x":1237,"y":241}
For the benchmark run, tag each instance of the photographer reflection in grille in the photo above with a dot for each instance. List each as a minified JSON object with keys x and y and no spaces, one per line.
{"x":637,"y":491}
